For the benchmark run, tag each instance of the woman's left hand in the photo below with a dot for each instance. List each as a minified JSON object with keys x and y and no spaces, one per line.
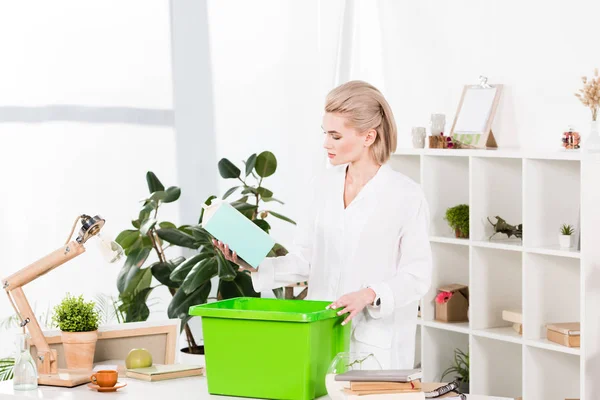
{"x":353,"y":303}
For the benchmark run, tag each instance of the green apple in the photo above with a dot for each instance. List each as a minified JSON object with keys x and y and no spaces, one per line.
{"x":138,"y":358}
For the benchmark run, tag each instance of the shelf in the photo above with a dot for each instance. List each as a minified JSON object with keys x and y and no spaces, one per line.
{"x":459,"y":327}
{"x":496,"y":283}
{"x":553,"y":286}
{"x":496,"y":368}
{"x":449,"y":240}
{"x":445,"y":184}
{"x":551,"y":375}
{"x":505,"y":334}
{"x":511,"y":245}
{"x":438,"y":351}
{"x":409,"y":165}
{"x":498,"y":153}
{"x":548,"y":345}
{"x":554,"y":251}
{"x":450,"y":265}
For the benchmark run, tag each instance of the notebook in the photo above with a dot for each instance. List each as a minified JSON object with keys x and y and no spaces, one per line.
{"x":384,"y":375}
{"x":243,"y":236}
{"x":160,"y":372}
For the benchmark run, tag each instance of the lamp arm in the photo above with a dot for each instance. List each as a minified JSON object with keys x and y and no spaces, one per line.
{"x":47,"y":362}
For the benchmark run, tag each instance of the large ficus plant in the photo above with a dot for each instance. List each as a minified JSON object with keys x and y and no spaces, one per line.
{"x":189,"y":280}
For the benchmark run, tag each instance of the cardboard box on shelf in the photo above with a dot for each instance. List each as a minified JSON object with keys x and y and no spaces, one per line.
{"x":566,"y":334}
{"x":456,"y":308}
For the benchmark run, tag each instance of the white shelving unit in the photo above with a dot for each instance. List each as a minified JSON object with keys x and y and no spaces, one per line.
{"x":542,"y":190}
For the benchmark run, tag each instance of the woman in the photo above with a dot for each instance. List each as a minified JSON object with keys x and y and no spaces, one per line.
{"x":364,"y":241}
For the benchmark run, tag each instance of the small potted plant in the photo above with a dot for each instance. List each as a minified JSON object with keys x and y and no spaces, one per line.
{"x":78,"y":323}
{"x":460,"y":369}
{"x":565,"y":236}
{"x":458,"y":219}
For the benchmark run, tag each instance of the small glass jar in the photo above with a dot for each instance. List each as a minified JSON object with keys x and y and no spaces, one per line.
{"x":437,"y":124}
{"x":25,"y":370}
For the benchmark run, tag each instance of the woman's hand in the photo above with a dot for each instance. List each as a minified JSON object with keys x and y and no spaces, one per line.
{"x":353,"y":303}
{"x":232,"y":256}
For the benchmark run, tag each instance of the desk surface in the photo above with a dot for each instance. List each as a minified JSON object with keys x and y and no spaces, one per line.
{"x":193,"y":388}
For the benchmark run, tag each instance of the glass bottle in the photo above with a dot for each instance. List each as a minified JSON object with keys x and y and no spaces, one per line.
{"x":25,"y":371}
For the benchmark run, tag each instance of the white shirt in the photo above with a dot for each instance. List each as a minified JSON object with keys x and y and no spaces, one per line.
{"x":380,"y":241}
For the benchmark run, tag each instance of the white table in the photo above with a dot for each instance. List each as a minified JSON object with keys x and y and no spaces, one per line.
{"x":193,"y":388}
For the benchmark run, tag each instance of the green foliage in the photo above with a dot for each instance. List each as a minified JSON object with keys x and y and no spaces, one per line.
{"x":459,"y":367}
{"x":7,"y":366}
{"x":458,"y":218}
{"x":567,"y":229}
{"x":74,"y":314}
{"x":189,"y":280}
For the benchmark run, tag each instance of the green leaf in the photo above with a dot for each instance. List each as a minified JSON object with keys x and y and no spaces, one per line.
{"x":177,"y":261}
{"x":181,"y":302}
{"x":245,"y":208}
{"x":138,"y":309}
{"x":200,"y":273}
{"x":187,"y":229}
{"x":154,"y":184}
{"x":136,"y":223}
{"x":134,"y":261}
{"x":250,"y":163}
{"x":182,"y":270}
{"x":157,"y":196}
{"x":249,"y":189}
{"x":7,"y":366}
{"x":262,"y":224}
{"x":74,"y":314}
{"x":241,"y":286}
{"x":161,"y":271}
{"x":202,"y":236}
{"x":138,"y":244}
{"x":173,"y":194}
{"x":273,"y":213}
{"x":228,"y":170}
{"x":147,"y":225}
{"x":242,"y":199}
{"x":127,"y":238}
{"x":167,"y":224}
{"x":208,"y":202}
{"x":177,"y":237}
{"x":230,"y":192}
{"x":144,"y":214}
{"x":264,"y":192}
{"x":268,"y":199}
{"x":266,"y":164}
{"x":226,"y":269}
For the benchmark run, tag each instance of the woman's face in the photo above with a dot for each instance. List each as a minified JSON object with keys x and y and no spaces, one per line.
{"x":342,"y":143}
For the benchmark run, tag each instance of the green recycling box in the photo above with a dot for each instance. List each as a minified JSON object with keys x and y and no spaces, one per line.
{"x":270,"y":348}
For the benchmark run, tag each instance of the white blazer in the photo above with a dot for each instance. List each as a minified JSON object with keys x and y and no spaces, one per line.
{"x":380,"y":241}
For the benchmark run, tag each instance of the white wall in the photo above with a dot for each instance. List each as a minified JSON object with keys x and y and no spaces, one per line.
{"x":85,"y":111}
{"x":538,"y":49}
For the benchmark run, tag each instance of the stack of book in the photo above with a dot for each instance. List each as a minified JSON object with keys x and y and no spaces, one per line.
{"x":382,"y":381}
{"x":516,"y":318}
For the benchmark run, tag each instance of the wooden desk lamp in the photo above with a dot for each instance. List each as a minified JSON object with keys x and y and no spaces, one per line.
{"x":47,"y":361}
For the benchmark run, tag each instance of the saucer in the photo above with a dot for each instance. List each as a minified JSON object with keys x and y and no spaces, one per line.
{"x":106,"y":389}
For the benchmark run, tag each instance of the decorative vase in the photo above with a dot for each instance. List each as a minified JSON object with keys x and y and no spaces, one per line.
{"x":418,"y":134}
{"x":592,"y":141}
{"x":437,"y":124}
{"x":565,"y":241}
{"x":25,"y":370}
{"x":344,"y":362}
{"x":79,"y":348}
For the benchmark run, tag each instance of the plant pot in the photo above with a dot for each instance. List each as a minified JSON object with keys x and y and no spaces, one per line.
{"x":565,"y":241}
{"x":187,"y":358}
{"x":463,"y":387}
{"x":459,"y":234}
{"x":79,"y":348}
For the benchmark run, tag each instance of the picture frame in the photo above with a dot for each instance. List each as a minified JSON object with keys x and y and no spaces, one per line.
{"x":472,"y":125}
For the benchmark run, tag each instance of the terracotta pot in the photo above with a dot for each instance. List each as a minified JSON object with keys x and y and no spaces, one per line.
{"x":459,"y":234}
{"x":79,"y":348}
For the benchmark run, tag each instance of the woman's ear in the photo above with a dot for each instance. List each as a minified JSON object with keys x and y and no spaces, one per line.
{"x":370,"y":137}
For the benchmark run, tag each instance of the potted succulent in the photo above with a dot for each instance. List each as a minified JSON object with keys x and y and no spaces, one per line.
{"x":460,"y":369}
{"x":458,"y":219}
{"x":78,"y":323}
{"x":565,"y":236}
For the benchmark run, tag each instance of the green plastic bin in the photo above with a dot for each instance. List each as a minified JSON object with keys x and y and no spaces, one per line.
{"x":270,"y":348}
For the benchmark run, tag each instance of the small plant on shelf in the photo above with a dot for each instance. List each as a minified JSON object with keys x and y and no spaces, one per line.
{"x":458,"y":219}
{"x":565,"y":238}
{"x":459,"y":369}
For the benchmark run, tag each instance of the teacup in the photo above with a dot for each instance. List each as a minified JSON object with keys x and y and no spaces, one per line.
{"x":105,"y":378}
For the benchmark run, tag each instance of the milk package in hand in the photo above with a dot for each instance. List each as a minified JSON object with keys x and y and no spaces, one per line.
{"x":231,"y":227}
